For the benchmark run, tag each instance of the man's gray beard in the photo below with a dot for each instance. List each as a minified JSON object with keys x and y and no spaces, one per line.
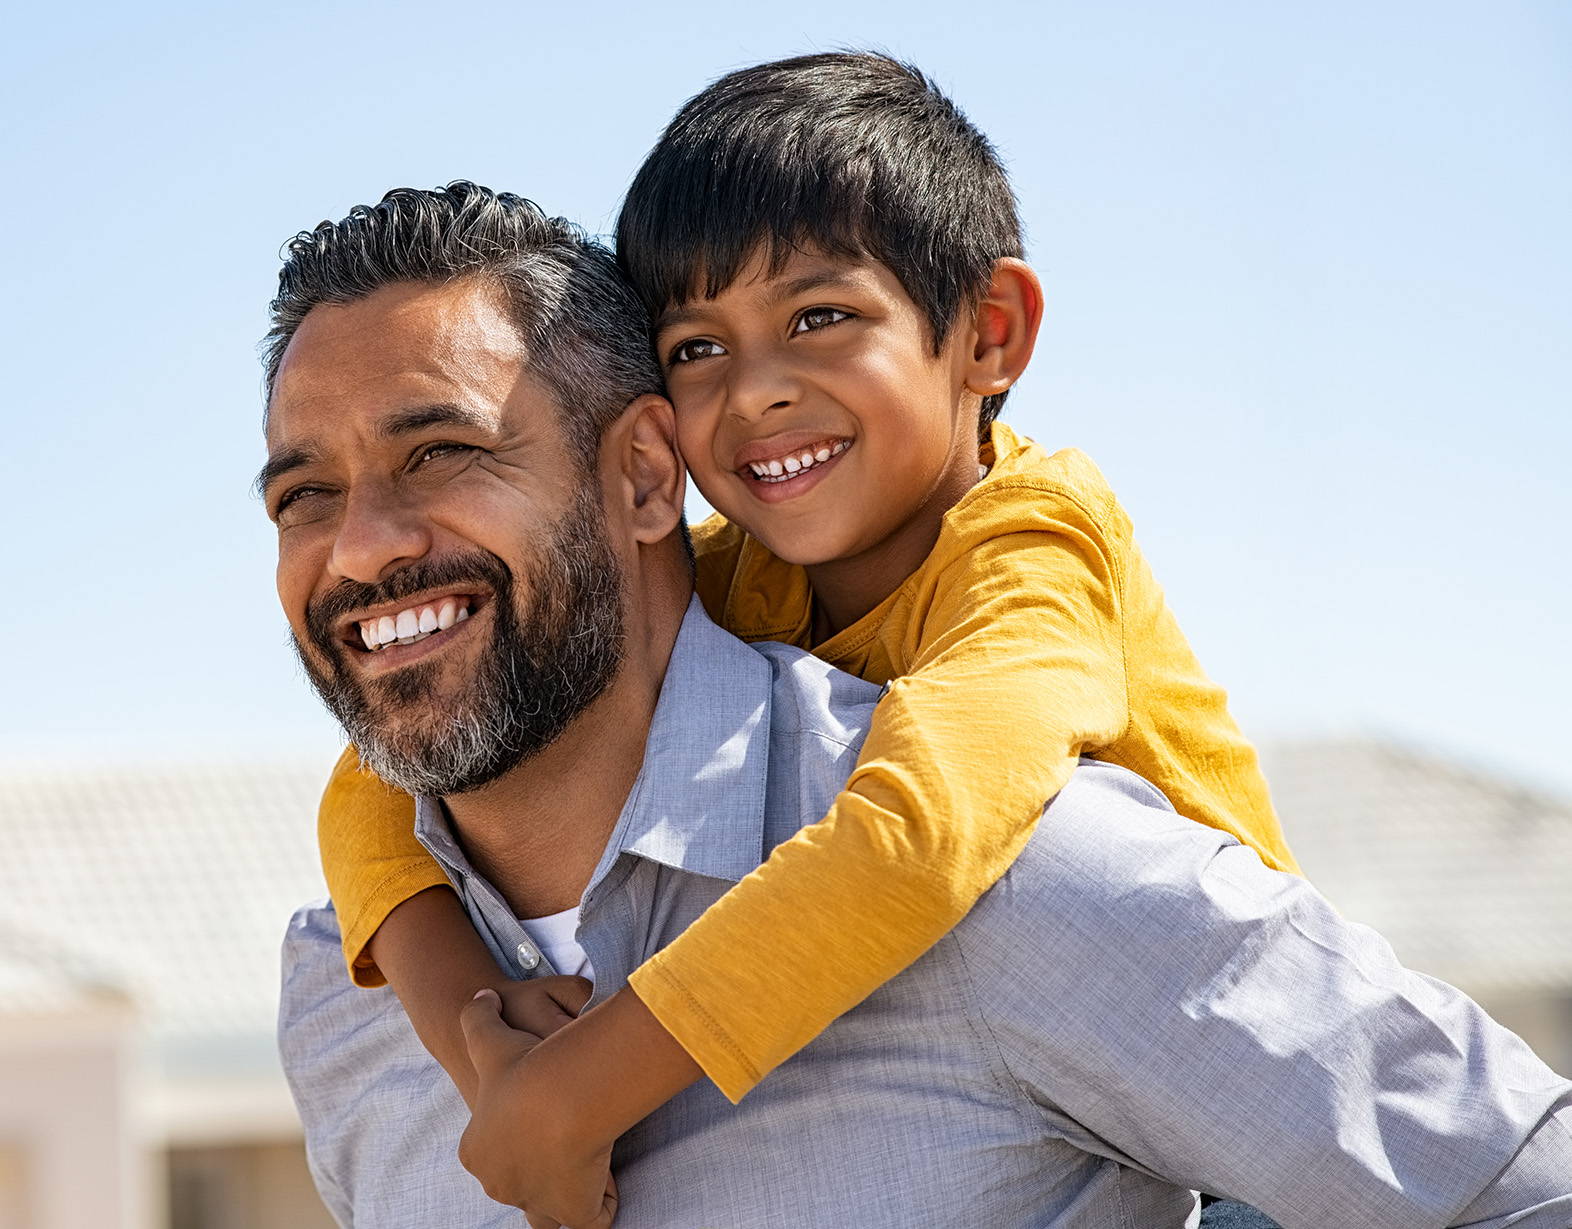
{"x":541,"y":669}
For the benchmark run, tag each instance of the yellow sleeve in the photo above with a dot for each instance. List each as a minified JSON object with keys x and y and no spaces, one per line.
{"x":1016,"y":664}
{"x":370,"y":857}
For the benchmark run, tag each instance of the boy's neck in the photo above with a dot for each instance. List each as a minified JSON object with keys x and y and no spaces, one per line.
{"x":846,"y":589}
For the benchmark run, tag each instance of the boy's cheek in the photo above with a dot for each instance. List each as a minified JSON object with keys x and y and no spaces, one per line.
{"x":695,"y":436}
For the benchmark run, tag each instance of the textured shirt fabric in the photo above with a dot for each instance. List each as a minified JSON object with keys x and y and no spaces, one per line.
{"x":1137,"y":1009}
{"x":1032,"y":634}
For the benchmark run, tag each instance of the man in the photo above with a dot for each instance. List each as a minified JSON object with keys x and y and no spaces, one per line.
{"x":459,"y":423}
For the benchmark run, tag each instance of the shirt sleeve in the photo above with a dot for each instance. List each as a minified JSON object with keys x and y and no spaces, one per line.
{"x":370,"y":857}
{"x":1017,"y":664}
{"x":382,"y":1121}
{"x":1175,"y":1005}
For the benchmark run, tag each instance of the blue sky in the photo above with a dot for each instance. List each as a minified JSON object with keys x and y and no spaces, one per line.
{"x":1309,"y":279}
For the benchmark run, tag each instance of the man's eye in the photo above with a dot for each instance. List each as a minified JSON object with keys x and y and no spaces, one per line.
{"x":695,"y":348}
{"x":435,"y":452}
{"x":818,"y":317}
{"x":294,"y":496}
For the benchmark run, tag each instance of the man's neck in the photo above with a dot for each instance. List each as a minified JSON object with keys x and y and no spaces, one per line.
{"x":538,"y":832}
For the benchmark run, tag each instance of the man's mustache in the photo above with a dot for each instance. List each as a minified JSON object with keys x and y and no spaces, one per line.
{"x":466,"y":569}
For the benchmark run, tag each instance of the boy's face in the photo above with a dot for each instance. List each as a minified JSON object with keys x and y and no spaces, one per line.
{"x":813,"y":412}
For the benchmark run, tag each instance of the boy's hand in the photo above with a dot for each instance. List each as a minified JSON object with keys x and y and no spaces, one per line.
{"x":542,"y":1005}
{"x":519,"y":1141}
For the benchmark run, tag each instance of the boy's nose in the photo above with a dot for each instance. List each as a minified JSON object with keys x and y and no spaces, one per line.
{"x":759,"y":385}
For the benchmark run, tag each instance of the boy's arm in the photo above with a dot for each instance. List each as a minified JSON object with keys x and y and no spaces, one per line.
{"x":402,"y":923}
{"x":1019,"y":665}
{"x":370,"y":858}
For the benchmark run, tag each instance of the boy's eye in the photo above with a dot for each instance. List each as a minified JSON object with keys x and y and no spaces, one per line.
{"x":695,"y":348}
{"x":818,"y":317}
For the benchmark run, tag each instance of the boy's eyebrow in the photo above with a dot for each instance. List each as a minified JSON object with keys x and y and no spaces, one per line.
{"x":807,"y":283}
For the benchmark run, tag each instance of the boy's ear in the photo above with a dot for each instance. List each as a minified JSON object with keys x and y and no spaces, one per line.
{"x":649,"y":469}
{"x":1005,"y":327}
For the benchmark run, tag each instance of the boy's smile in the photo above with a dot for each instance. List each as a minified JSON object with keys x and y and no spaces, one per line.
{"x":813,"y":411}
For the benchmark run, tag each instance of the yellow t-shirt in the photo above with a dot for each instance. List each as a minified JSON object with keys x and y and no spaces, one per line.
{"x":1032,"y":633}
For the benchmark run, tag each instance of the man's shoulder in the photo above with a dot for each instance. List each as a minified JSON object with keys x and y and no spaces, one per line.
{"x":316,"y":992}
{"x":812,"y":697}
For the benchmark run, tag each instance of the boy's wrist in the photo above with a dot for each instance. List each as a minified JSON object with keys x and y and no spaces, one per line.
{"x":612,"y":1068}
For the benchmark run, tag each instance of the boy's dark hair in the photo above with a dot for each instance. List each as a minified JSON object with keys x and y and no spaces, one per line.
{"x":585,"y":332}
{"x":851,"y":152}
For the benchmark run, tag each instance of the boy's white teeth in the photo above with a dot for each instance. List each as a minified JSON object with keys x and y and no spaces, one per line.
{"x":781,"y":469}
{"x":412,"y":625}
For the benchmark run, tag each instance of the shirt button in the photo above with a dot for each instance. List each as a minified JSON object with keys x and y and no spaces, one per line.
{"x":529,"y":958}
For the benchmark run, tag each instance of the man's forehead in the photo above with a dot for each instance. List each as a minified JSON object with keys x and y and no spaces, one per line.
{"x":394,"y":352}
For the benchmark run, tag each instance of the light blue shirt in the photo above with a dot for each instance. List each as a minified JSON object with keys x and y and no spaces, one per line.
{"x":1139,"y":1008}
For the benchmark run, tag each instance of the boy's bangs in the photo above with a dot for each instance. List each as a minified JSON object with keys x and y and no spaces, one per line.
{"x":696,"y":242}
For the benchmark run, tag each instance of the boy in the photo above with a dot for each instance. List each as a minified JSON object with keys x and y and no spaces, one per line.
{"x":831,"y":256}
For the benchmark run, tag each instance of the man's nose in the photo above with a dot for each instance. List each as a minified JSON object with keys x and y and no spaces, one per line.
{"x":380,"y":532}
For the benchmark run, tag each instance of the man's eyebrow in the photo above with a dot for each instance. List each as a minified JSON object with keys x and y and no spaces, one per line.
{"x":279,"y":464}
{"x":403,"y":422}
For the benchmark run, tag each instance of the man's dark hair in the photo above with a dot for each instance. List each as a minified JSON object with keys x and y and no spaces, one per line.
{"x":585,"y":332}
{"x":851,"y":152}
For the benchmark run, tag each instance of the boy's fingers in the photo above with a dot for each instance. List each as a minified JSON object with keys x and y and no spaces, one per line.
{"x":490,"y":1041}
{"x":543,"y":1005}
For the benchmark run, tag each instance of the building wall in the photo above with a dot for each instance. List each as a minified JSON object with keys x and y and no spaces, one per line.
{"x":244,"y":1186}
{"x":14,"y":1193}
{"x":66,"y":1156}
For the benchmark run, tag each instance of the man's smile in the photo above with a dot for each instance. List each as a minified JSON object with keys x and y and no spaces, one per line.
{"x":413,"y":623}
{"x":390,"y":635}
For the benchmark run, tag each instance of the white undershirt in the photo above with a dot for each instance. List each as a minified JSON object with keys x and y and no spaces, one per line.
{"x":556,"y":936}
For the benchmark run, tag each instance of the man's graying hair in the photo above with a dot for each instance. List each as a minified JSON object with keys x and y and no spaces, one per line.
{"x":585,"y":332}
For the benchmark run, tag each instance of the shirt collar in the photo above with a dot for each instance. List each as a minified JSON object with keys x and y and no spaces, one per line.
{"x":698,"y":802}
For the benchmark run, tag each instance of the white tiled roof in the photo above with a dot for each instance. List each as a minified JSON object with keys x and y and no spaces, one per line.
{"x":174,"y":883}
{"x":39,"y":978}
{"x":1470,"y":878}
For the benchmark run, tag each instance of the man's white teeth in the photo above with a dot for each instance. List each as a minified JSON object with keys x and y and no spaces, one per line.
{"x":414,"y":624}
{"x":787,"y":467}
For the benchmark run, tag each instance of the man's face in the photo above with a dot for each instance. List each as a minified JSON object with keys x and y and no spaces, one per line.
{"x":442,"y":558}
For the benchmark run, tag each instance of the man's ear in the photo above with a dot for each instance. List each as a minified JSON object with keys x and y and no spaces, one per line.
{"x":649,"y":470}
{"x":1005,"y":327}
